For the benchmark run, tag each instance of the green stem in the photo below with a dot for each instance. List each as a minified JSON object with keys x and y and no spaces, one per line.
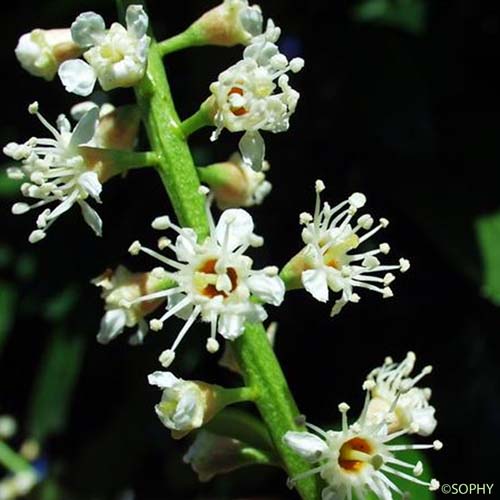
{"x":262,"y":371}
{"x":189,"y":38}
{"x":196,"y":121}
{"x":214,"y":175}
{"x":175,"y":163}
{"x":236,"y":395}
{"x":119,"y":160}
{"x":11,"y":460}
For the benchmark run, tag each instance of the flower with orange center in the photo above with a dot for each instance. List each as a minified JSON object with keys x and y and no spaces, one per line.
{"x":359,"y":459}
{"x":244,"y":97}
{"x":214,"y":279}
{"x":328,"y":261}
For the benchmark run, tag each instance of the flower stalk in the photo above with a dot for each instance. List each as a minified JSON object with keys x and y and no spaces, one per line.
{"x":11,"y":460}
{"x":261,"y":369}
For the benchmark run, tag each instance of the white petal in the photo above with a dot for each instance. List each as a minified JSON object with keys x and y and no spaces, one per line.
{"x":231,"y":325}
{"x":163,"y":380}
{"x":307,"y":445}
{"x":64,"y":206}
{"x":190,"y":410}
{"x":315,"y":282}
{"x":112,"y":325}
{"x":424,"y":418}
{"x":77,"y":77}
{"x":90,"y":182}
{"x":78,"y":110}
{"x":88,"y":29}
{"x":185,"y":245}
{"x":240,"y":227}
{"x":270,"y":289}
{"x":251,"y":20}
{"x":85,"y":128}
{"x":137,"y":20}
{"x":253,"y":149}
{"x":91,"y":217}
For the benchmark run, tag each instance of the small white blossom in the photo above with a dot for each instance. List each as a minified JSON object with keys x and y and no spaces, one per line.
{"x":183,"y":404}
{"x":40,"y":52}
{"x":117,"y":57}
{"x":244,"y":96}
{"x":412,"y":406}
{"x":329,"y":236}
{"x":358,"y":459}
{"x":57,"y":172}
{"x":235,"y":184}
{"x":119,"y":290}
{"x":215,"y":280}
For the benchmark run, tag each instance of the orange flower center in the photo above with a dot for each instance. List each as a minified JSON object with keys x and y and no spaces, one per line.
{"x":210,"y":290}
{"x":349,"y":460}
{"x":239,"y":111}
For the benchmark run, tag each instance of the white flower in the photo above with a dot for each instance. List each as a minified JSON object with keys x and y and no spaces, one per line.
{"x":329,"y":236}
{"x":358,"y":459}
{"x":40,"y":52}
{"x":57,"y":172}
{"x":116,"y":57}
{"x":235,"y":184}
{"x":215,"y":280}
{"x":412,"y":406}
{"x":244,"y":96}
{"x":183,"y":404}
{"x":119,"y":290}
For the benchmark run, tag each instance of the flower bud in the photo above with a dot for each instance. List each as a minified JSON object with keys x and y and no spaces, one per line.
{"x":211,"y":454}
{"x":185,"y":405}
{"x":231,"y":23}
{"x":235,"y":184}
{"x":41,"y":52}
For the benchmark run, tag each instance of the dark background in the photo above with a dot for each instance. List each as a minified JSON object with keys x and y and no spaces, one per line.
{"x":408,"y":118}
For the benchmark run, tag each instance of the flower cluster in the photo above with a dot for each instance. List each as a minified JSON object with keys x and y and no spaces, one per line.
{"x":361,"y":458}
{"x":326,"y":262}
{"x":116,"y":57}
{"x":214,"y":279}
{"x":245,"y":99}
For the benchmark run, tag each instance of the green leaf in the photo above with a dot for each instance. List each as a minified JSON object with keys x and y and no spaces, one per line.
{"x":58,"y":307}
{"x":8,"y":296}
{"x":55,"y":382}
{"x":408,"y":15}
{"x":488,"y":237}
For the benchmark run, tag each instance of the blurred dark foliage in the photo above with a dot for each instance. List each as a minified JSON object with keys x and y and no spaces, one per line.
{"x":410,"y":119}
